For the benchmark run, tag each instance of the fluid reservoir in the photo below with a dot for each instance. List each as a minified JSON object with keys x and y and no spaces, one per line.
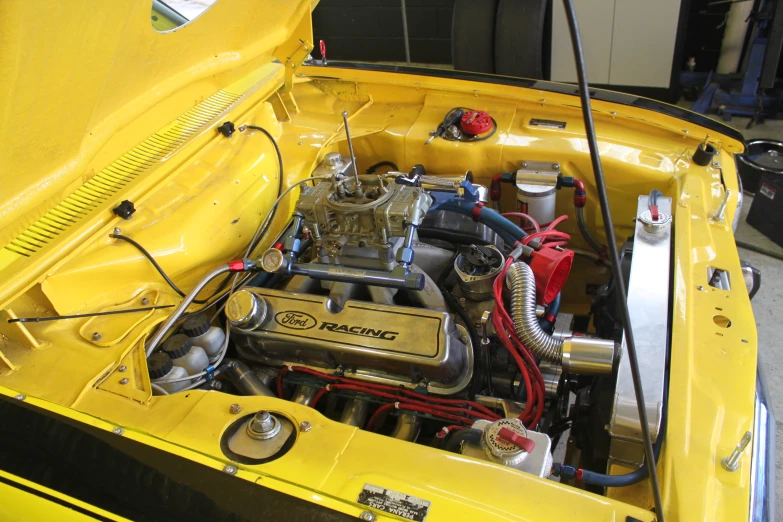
{"x":203,"y":334}
{"x":162,"y":369}
{"x":182,"y":353}
{"x":537,"y":189}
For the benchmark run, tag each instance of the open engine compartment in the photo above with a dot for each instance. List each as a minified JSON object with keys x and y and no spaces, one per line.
{"x":371,"y":289}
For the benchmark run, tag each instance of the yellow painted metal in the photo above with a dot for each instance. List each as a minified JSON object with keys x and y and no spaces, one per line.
{"x":22,"y":500}
{"x":199,"y":205}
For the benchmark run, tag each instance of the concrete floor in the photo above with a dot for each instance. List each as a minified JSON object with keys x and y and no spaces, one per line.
{"x":768,"y":302}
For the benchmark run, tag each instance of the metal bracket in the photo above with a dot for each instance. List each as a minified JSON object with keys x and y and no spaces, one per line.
{"x":293,"y":62}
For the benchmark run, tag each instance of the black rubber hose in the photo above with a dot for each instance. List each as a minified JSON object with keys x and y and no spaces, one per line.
{"x":614,"y":258}
{"x":759,"y":250}
{"x":450,"y":236}
{"x":458,"y":437}
{"x":372,"y":168}
{"x":475,"y":340}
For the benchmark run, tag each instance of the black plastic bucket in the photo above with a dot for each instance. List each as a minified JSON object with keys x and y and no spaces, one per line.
{"x":763,"y":158}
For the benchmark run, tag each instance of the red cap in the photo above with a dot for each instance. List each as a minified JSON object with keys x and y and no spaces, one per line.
{"x":475,"y":122}
{"x":551,"y":268}
{"x":517,"y":440}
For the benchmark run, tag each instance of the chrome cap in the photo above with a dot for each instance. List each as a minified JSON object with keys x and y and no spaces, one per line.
{"x":245,"y":310}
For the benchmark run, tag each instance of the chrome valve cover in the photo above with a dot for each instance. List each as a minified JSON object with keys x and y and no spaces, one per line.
{"x":374,"y":342}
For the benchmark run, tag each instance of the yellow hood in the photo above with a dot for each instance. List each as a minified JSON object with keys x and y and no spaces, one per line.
{"x":76,"y":73}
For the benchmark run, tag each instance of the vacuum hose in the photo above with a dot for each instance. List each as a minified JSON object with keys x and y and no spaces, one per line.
{"x":523,"y":311}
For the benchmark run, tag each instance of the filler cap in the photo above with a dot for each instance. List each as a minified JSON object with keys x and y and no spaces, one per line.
{"x":159,"y":365}
{"x":177,"y":345}
{"x":196,"y":325}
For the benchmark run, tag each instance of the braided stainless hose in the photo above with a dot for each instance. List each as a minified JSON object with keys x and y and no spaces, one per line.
{"x":522,"y":284}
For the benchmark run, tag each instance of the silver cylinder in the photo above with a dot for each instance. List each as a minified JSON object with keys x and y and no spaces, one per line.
{"x":586,"y":355}
{"x":304,"y":395}
{"x":407,"y":428}
{"x":355,"y":412}
{"x":244,"y":379}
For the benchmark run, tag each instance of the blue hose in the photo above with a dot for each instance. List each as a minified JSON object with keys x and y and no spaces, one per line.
{"x":552,"y":309}
{"x":508,"y":231}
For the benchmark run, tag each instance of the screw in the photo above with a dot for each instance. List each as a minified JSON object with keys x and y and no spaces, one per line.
{"x":613,"y":113}
{"x":300,"y":143}
{"x":122,"y":368}
{"x":231,"y":470}
{"x":556,"y":166}
{"x":118,"y":431}
{"x":716,"y":164}
{"x":731,"y":463}
{"x":145,"y":301}
{"x":20,"y":397}
{"x":124,"y":380}
{"x":96,"y":336}
{"x":235,"y":408}
{"x":700,"y":288}
{"x":367,"y":516}
{"x":242,"y":128}
{"x":685,"y":131}
{"x":117,"y":231}
{"x":305,"y":426}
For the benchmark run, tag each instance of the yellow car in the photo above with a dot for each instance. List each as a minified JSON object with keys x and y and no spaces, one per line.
{"x":238,"y":281}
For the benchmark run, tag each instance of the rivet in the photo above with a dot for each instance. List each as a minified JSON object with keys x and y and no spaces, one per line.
{"x":20,"y":397}
{"x":367,"y":516}
{"x":124,"y":380}
{"x":234,"y":409}
{"x":96,"y":336}
{"x":231,"y":470}
{"x":305,"y":426}
{"x":700,"y":288}
{"x":122,"y":368}
{"x":118,"y":431}
{"x":145,"y":301}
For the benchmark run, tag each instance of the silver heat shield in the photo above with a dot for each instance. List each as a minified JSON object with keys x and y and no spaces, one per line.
{"x":381,"y":343}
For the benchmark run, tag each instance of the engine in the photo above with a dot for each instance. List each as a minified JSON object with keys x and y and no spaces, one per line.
{"x":403,"y":303}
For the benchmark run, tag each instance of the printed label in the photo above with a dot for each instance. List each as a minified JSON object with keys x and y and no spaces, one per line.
{"x":394,"y":502}
{"x":768,"y":191}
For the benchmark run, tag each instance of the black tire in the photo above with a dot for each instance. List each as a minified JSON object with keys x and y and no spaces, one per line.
{"x":473,"y":35}
{"x":519,"y":38}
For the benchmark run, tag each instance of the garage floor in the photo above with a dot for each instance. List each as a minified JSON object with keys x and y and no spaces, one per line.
{"x":768,"y":302}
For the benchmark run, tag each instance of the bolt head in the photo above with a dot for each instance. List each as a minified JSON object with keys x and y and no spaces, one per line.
{"x":118,"y":431}
{"x":124,"y":380}
{"x":305,"y":426}
{"x":700,"y":288}
{"x":367,"y":516}
{"x":145,"y":301}
{"x":234,"y":409}
{"x":122,"y":368}
{"x":117,"y":231}
{"x":20,"y":397}
{"x":96,"y":336}
{"x":231,"y":470}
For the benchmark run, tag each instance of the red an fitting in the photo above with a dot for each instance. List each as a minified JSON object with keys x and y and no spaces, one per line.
{"x":551,"y":268}
{"x":580,"y":196}
{"x":494,"y":188}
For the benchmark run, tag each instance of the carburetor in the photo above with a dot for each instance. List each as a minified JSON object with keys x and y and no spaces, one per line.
{"x":362,"y":221}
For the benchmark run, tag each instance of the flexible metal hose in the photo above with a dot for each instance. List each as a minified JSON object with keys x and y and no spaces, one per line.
{"x":523,"y":311}
{"x":591,"y":240}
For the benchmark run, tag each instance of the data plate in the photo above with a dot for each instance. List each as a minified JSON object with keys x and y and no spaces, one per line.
{"x":394,"y":502}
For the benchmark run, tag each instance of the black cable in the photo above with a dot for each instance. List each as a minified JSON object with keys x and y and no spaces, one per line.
{"x":81,"y":316}
{"x":164,"y":275}
{"x":372,"y":168}
{"x":759,"y":250}
{"x":600,"y":183}
{"x":279,"y":184}
{"x":475,"y":340}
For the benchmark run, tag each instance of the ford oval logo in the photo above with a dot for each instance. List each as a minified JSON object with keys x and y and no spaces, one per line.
{"x":295,"y":320}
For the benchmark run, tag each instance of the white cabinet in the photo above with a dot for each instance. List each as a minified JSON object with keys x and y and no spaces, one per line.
{"x":626,"y":42}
